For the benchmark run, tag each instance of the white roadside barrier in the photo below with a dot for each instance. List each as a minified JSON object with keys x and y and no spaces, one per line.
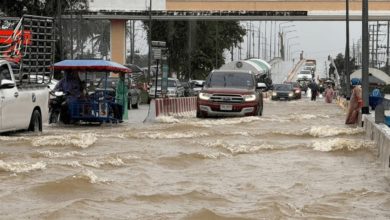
{"x":181,"y":106}
{"x":380,"y":134}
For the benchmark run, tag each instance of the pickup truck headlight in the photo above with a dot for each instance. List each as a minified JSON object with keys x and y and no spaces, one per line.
{"x":274,"y":94}
{"x":249,"y":98}
{"x":290,"y":94}
{"x":204,"y":96}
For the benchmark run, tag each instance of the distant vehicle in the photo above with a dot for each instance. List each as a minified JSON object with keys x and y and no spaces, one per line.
{"x":196,"y":87}
{"x":230,"y":93}
{"x":175,"y":89}
{"x":51,"y":83}
{"x":283,"y":91}
{"x":310,"y":68}
{"x":304,"y":84}
{"x":305,"y":75}
{"x":312,"y":64}
{"x":297,"y":89}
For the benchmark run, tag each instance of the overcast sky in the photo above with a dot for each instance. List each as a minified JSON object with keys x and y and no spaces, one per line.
{"x":320,"y":39}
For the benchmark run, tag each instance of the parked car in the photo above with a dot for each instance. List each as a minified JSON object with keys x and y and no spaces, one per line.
{"x":230,"y":93}
{"x":196,"y":87}
{"x":175,"y":89}
{"x":283,"y":91}
{"x":297,"y":89}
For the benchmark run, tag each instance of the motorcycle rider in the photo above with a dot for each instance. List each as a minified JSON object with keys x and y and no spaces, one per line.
{"x":72,"y":88}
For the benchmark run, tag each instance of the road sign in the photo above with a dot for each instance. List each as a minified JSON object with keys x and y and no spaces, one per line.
{"x":157,"y":53}
{"x":164,"y":81}
{"x":158,"y":44}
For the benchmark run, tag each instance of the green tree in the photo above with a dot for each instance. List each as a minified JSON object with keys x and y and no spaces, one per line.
{"x":340,"y":65}
{"x":194,"y":48}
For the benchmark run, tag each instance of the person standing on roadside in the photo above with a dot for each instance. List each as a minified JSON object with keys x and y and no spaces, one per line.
{"x":121,"y":95}
{"x":329,"y":94}
{"x":355,"y":103}
{"x":314,"y":91}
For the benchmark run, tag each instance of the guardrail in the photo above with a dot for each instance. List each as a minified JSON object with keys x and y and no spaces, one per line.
{"x":175,"y":106}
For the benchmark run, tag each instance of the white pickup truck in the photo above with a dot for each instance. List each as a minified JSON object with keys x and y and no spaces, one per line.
{"x":26,"y":58}
{"x":22,"y":107}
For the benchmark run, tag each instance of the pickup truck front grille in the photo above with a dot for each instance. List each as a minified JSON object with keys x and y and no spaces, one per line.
{"x":227,"y":98}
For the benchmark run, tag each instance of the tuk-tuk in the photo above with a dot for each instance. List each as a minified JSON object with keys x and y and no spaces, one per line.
{"x":95,"y":104}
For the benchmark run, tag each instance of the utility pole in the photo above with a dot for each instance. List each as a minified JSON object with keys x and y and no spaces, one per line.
{"x":132,"y":41}
{"x":376,"y":45}
{"x":232,"y":53}
{"x":365,"y":58}
{"x":216,"y":43}
{"x":387,"y":48}
{"x":59,"y":15}
{"x":150,"y":41}
{"x":347,"y":77}
{"x":253,"y":41}
{"x":372,"y":45}
{"x":248,"y":37}
{"x":270,"y":42}
{"x":265,"y":40}
{"x":239,"y":51}
{"x":275,"y":38}
{"x":71,"y":32}
{"x":259,"y":49}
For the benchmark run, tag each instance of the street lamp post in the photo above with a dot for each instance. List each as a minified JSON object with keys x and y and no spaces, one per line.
{"x":284,"y":41}
{"x":281,"y":33}
{"x":294,"y":52}
{"x":289,"y":49}
{"x":288,"y":42}
{"x":150,"y":40}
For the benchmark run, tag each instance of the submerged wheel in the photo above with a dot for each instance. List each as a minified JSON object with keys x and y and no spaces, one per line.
{"x":199,"y":114}
{"x":36,"y":122}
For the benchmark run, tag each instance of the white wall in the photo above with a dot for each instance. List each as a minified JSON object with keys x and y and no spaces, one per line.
{"x":126,"y":5}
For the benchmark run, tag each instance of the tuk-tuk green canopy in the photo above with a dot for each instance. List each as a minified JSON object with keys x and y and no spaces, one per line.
{"x":257,"y":66}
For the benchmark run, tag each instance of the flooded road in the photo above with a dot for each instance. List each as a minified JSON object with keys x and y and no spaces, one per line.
{"x":298,"y":161}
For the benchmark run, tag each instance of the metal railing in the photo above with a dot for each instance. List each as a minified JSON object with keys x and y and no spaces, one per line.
{"x":29,"y":43}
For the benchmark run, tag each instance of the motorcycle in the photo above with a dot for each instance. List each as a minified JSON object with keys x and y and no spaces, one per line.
{"x":58,"y":108}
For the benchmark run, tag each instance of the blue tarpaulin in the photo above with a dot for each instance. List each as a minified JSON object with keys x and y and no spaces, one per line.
{"x":91,"y":65}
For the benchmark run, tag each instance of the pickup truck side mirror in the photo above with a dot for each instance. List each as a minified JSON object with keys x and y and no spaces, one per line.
{"x":7,"y":84}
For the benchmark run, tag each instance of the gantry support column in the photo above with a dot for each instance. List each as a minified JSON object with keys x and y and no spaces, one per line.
{"x":118,"y":41}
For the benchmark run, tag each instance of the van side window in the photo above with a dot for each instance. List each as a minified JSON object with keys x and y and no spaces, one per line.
{"x":4,"y":73}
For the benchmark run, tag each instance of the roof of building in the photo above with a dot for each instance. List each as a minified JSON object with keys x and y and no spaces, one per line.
{"x":375,"y":76}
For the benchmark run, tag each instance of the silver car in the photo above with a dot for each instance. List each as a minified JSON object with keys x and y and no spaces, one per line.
{"x":175,"y":89}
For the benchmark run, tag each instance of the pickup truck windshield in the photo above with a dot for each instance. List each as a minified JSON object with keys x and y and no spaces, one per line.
{"x":235,"y":80}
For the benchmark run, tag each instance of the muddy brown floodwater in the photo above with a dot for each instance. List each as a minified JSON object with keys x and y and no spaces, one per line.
{"x":298,"y":161}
